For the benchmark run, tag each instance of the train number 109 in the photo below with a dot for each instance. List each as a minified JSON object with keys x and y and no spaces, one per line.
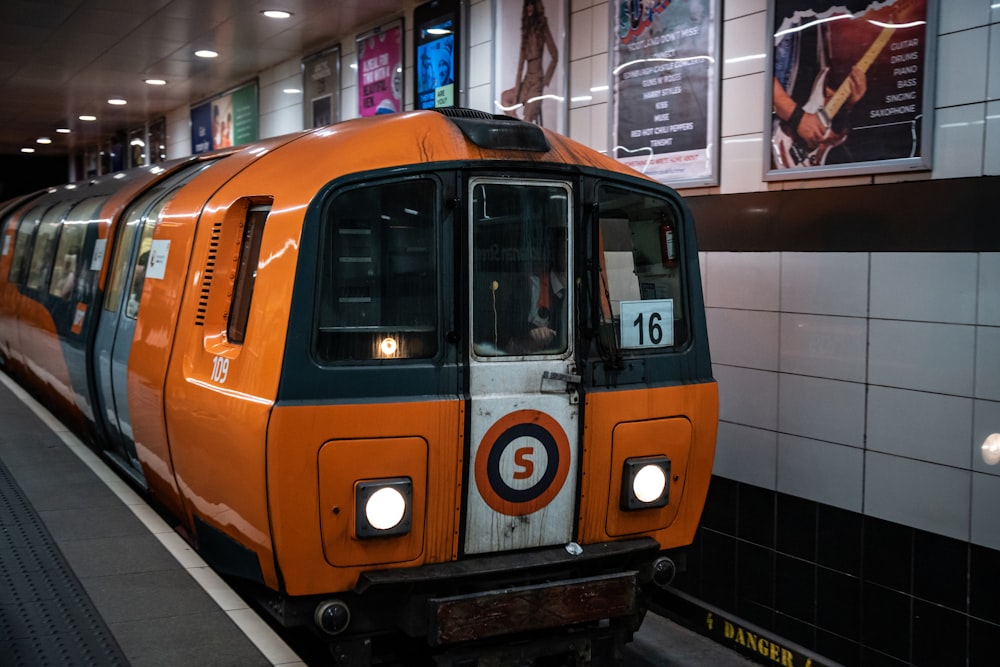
{"x":220,"y":369}
{"x":646,"y":324}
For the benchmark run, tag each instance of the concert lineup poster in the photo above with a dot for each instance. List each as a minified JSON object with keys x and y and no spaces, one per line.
{"x":665,"y":82}
{"x":227,"y":120}
{"x":850,"y":87}
{"x":380,"y":70}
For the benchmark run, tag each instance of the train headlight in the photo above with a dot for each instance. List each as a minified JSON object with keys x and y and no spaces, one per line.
{"x":388,"y":346}
{"x":384,"y":507}
{"x":645,"y":483}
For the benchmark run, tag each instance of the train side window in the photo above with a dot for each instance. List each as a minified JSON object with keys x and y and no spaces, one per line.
{"x":129,"y":224}
{"x":642,"y":301}
{"x":22,"y":242}
{"x":149,"y":222}
{"x":246,"y":272}
{"x":378,"y":280}
{"x":69,"y":265}
{"x":45,"y":245}
{"x":4,"y":238}
{"x":119,"y":267}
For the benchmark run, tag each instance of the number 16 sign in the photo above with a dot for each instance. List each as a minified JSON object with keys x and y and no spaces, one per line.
{"x":647,"y":323}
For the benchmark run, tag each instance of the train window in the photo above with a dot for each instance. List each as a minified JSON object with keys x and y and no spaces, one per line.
{"x":642,"y":301}
{"x":4,"y":238}
{"x":246,"y":273}
{"x":22,"y":242}
{"x":69,"y":264}
{"x":149,"y":222}
{"x":119,"y":266}
{"x":129,"y":225}
{"x":44,"y":246}
{"x":520,"y":279}
{"x":378,"y":280}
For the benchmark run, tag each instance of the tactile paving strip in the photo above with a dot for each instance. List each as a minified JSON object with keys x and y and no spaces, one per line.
{"x":46,"y":618}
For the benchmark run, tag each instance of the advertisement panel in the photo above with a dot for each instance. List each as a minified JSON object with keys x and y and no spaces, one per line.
{"x":664,"y":85}
{"x":230,"y":119}
{"x":530,"y":63}
{"x":321,"y":88}
{"x":851,"y":87}
{"x":380,"y":70}
{"x":437,"y":45}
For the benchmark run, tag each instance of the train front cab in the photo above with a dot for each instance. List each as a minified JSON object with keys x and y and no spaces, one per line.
{"x":462,"y":471}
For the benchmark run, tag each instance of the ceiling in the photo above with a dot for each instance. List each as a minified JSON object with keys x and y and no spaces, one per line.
{"x":60,"y":59}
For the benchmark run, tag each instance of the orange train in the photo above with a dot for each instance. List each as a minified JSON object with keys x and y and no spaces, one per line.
{"x":438,"y":375}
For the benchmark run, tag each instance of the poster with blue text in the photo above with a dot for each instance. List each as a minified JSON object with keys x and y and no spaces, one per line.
{"x":665,"y":82}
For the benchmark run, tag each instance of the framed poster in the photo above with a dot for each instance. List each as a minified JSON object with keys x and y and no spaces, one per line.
{"x":437,"y":46}
{"x":230,"y":119}
{"x":137,"y":147}
{"x":665,"y":89}
{"x":530,"y":60}
{"x":851,"y":87}
{"x":158,"y":140}
{"x":321,"y":88}
{"x":380,"y":70}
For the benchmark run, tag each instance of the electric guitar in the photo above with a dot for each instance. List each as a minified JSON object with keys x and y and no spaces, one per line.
{"x":788,"y":148}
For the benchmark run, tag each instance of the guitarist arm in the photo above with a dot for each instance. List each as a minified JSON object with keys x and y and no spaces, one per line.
{"x":858,"y":84}
{"x":807,"y":126}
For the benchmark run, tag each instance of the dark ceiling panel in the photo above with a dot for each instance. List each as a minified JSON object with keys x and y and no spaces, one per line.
{"x":62,"y":58}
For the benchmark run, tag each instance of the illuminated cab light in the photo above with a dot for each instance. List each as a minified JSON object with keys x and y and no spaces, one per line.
{"x":388,"y":347}
{"x":383,"y":507}
{"x":645,"y":483}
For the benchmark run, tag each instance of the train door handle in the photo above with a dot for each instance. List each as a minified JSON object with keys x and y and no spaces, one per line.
{"x":560,"y":383}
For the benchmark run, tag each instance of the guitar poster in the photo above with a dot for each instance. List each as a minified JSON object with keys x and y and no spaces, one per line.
{"x":850,"y":87}
{"x":665,"y":82}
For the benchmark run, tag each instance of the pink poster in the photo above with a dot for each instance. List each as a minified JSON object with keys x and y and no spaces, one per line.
{"x":380,"y":71}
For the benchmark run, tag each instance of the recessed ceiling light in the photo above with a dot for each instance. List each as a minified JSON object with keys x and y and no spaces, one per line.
{"x":117,"y":101}
{"x":43,"y":140}
{"x":88,"y":118}
{"x":276,"y":14}
{"x":63,"y":130}
{"x":156,"y":82}
{"x":27,"y":150}
{"x":206,"y":53}
{"x":292,"y":91}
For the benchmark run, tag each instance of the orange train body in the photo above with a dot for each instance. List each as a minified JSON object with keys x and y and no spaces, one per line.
{"x":270,"y":340}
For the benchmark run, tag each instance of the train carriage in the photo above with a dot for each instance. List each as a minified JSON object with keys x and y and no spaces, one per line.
{"x":439,"y":375}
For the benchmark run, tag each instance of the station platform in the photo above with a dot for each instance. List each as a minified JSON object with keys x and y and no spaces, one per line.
{"x":91,"y":575}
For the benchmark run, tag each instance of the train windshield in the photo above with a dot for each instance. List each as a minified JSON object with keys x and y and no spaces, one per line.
{"x":520,"y":287}
{"x":640,"y":288}
{"x":378,"y":282}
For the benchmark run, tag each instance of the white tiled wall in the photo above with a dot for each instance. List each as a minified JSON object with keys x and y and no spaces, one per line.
{"x":888,"y":363}
{"x":281,"y":112}
{"x":887,"y":382}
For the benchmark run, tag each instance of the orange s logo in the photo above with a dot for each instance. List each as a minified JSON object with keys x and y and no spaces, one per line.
{"x":526,"y":465}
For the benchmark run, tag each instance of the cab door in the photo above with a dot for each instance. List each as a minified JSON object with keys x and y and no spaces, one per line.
{"x":116,"y":329}
{"x":523,"y":426}
{"x":134,"y":257}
